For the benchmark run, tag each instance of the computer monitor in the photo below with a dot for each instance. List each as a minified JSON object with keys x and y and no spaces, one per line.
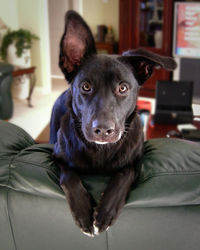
{"x":186,"y":39}
{"x":186,"y":44}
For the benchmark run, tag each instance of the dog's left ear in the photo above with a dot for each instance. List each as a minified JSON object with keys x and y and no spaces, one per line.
{"x":77,"y":43}
{"x":142,"y":63}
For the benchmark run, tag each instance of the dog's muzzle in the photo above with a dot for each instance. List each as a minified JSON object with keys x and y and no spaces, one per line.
{"x":103,"y":133}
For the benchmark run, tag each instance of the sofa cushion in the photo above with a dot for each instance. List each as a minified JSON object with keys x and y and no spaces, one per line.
{"x":169,"y":170}
{"x":169,"y":175}
{"x":26,"y":166}
{"x":160,"y":210}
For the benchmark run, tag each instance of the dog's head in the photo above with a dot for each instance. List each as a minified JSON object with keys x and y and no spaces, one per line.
{"x":104,"y":88}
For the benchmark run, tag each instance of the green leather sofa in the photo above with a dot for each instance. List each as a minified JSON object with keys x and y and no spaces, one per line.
{"x":162,"y":212}
{"x":6,"y":103}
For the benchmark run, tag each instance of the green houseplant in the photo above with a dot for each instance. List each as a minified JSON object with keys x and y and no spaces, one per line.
{"x":21,"y":38}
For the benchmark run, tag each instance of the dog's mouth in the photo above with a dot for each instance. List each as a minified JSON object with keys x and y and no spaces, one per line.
{"x":111,"y":140}
{"x":101,"y":142}
{"x":103,"y":138}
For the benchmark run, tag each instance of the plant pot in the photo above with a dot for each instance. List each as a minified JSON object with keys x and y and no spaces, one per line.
{"x":23,"y":62}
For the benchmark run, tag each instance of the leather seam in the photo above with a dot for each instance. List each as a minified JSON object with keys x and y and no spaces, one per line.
{"x":9,"y":169}
{"x":36,"y":194}
{"x":107,"y":243}
{"x":186,"y":173}
{"x":8,"y":208}
{"x":33,"y":164}
{"x":22,"y":133}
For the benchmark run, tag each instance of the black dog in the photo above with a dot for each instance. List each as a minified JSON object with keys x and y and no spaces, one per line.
{"x":94,"y":124}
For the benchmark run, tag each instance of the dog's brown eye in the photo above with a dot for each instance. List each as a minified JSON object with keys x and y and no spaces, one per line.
{"x":86,"y":87}
{"x":122,"y":88}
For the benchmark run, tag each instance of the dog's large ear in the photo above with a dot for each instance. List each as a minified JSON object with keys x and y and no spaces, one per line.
{"x":76,"y":44}
{"x":143,"y":62}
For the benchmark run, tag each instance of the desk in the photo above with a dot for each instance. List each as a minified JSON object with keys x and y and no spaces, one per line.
{"x":104,"y":48}
{"x":30,"y":72}
{"x":160,"y":130}
{"x":153,"y":130}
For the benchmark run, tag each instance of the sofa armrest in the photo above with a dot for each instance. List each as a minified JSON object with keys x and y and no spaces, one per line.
{"x":34,"y":213}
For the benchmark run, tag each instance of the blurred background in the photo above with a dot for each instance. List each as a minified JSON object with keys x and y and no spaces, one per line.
{"x":117,"y":25}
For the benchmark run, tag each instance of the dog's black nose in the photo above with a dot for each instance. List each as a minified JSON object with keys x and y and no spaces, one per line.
{"x":103,"y":130}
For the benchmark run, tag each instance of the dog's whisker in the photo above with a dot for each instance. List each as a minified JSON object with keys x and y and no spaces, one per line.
{"x":128,"y":128}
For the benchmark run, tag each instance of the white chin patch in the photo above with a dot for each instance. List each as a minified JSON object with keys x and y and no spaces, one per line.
{"x":101,"y":142}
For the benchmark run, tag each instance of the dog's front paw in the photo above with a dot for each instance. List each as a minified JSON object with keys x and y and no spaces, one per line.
{"x":82,"y":213}
{"x":106,"y":213}
{"x":103,"y":220}
{"x":101,"y":225}
{"x":86,"y":225}
{"x":81,"y":206}
{"x":83,"y":219}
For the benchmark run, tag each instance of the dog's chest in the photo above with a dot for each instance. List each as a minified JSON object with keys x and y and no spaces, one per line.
{"x":101,"y":160}
{"x":95,"y":160}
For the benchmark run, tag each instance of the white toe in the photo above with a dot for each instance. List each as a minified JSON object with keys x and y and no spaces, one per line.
{"x":96,"y":230}
{"x":88,"y":234}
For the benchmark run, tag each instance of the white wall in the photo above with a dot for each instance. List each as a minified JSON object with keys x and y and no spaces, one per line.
{"x":8,"y":12}
{"x":31,"y":15}
{"x":105,"y":12}
{"x":56,"y":29}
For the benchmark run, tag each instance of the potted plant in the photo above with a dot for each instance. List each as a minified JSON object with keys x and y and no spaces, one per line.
{"x":21,"y":40}
{"x":15,"y":50}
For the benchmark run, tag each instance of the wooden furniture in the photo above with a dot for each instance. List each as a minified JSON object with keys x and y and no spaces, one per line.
{"x":105,"y":48}
{"x":30,"y":72}
{"x":43,"y":137}
{"x":160,"y":130}
{"x":153,"y":130}
{"x":147,"y":24}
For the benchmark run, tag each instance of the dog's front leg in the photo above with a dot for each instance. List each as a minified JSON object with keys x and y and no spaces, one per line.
{"x":80,"y":201}
{"x":113,"y":200}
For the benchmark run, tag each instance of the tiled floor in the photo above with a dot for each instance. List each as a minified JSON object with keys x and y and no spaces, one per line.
{"x":33,"y":120}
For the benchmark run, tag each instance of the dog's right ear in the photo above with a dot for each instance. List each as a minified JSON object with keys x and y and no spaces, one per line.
{"x":77,"y":43}
{"x":143,"y":62}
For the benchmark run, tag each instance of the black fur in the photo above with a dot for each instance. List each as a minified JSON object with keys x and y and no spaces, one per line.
{"x":94,"y":124}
